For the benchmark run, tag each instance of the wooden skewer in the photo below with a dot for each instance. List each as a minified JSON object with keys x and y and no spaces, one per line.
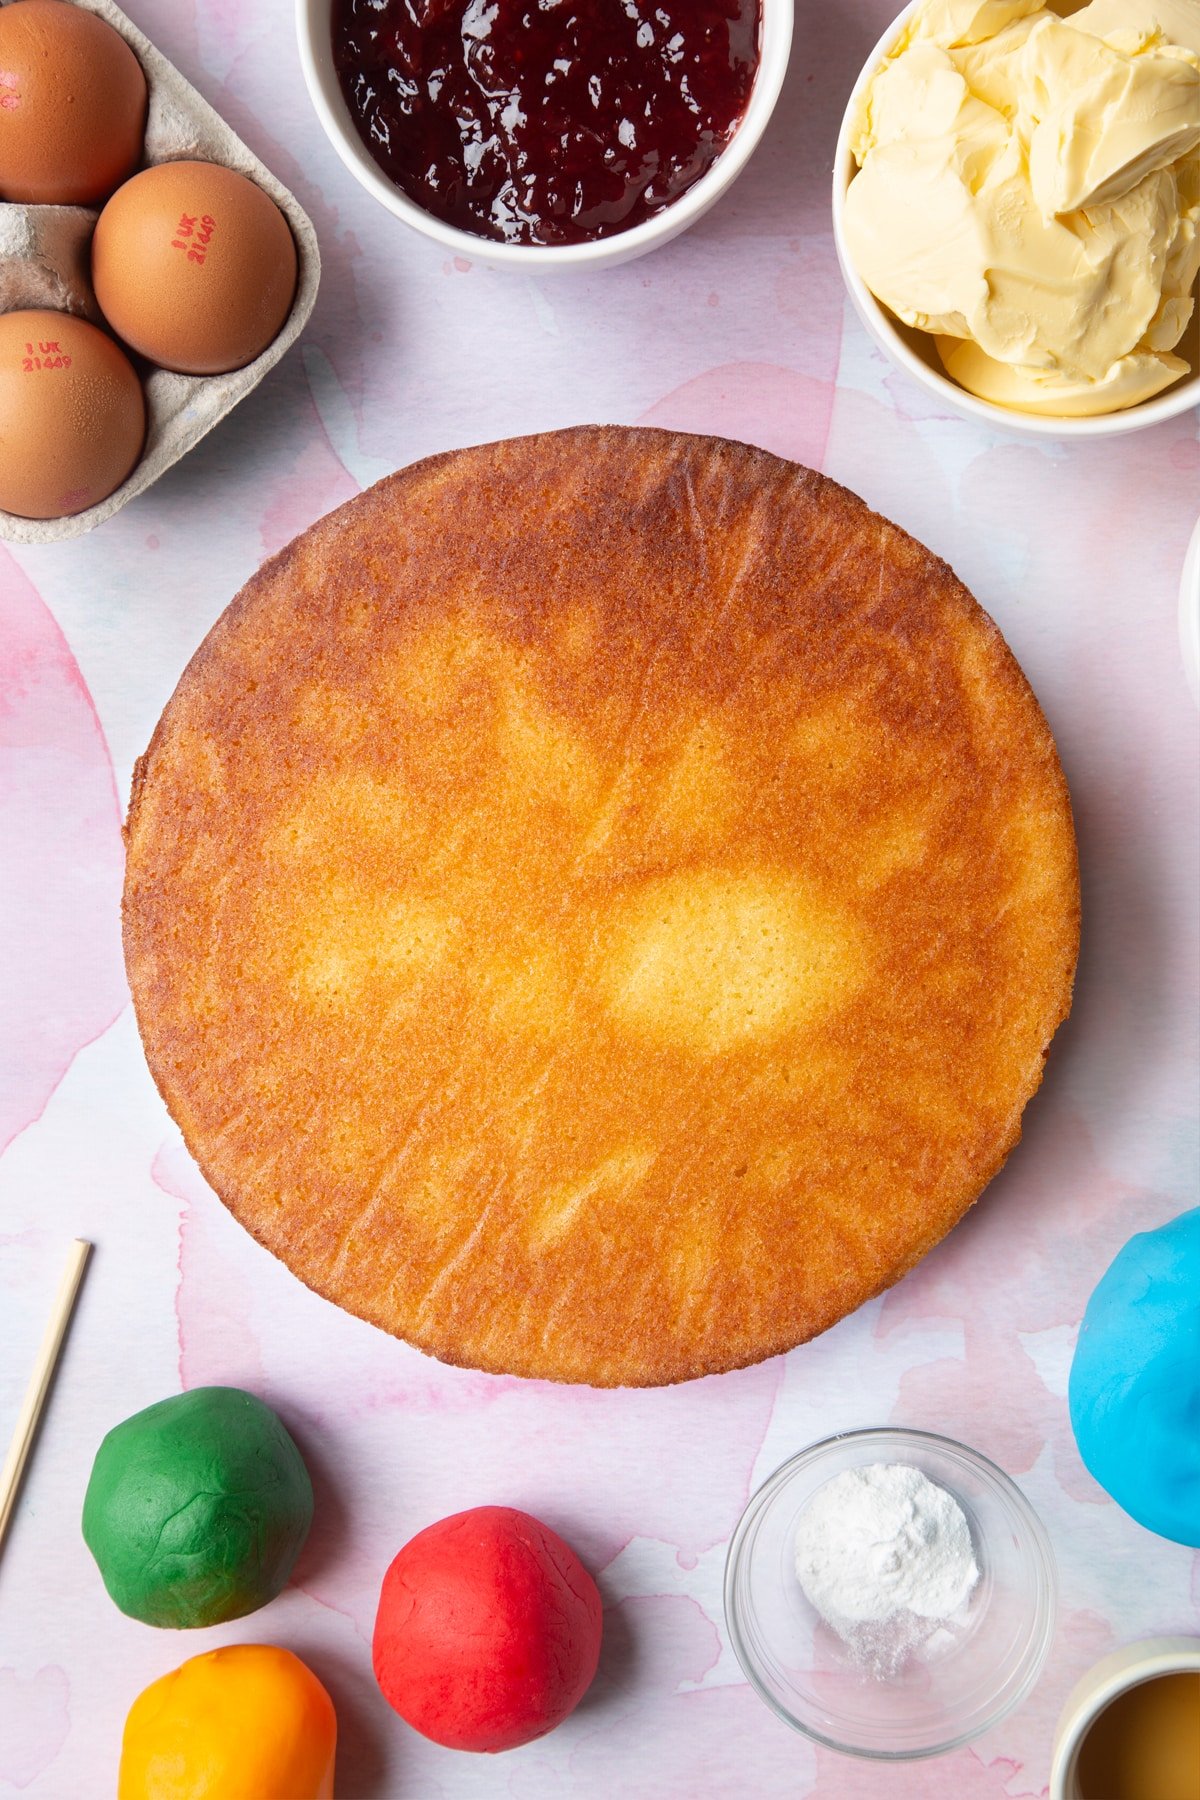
{"x":39,"y":1381}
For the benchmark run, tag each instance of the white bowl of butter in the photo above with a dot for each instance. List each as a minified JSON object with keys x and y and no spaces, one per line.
{"x":1016,"y":208}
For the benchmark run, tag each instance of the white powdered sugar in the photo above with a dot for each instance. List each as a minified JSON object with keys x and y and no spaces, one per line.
{"x":885,"y":1556}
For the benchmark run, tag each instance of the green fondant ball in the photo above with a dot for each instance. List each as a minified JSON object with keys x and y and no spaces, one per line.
{"x":197,"y":1508}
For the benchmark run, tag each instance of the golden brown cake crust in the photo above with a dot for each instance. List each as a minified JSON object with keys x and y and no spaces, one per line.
{"x":598,"y":904}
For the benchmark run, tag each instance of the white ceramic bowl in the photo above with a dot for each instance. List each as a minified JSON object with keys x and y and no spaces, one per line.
{"x":316,"y":58}
{"x":916,"y":352}
{"x":1112,"y":1676}
{"x":983,"y":1664}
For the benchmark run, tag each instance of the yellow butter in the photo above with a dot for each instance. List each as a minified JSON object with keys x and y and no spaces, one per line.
{"x":1031,"y":187}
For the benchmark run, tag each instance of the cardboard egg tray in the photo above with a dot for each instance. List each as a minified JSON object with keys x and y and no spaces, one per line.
{"x":45,"y":257}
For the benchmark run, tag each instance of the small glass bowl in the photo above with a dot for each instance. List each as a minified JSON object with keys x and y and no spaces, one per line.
{"x":964,"y":1680}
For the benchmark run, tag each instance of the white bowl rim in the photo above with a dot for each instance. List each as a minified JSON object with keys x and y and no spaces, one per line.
{"x":1169,"y":405}
{"x":1122,"y":1669}
{"x":884,"y":1435}
{"x":316,"y":60}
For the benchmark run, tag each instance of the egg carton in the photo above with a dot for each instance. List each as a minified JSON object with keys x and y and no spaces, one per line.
{"x":45,"y":257}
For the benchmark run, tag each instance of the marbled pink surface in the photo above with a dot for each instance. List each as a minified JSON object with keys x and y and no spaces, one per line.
{"x":740,"y":327}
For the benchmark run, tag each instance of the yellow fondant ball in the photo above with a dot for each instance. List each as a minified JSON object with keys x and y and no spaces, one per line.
{"x":250,"y":1722}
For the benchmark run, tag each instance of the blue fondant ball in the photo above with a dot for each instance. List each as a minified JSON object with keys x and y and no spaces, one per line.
{"x":1135,"y":1380}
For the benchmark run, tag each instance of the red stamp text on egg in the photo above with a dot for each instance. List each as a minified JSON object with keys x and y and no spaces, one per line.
{"x":44,"y":356}
{"x":193,"y":235}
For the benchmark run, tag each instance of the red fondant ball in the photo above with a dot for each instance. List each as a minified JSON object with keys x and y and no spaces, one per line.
{"x":488,"y":1630}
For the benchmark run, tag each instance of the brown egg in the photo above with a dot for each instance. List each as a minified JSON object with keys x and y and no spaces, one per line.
{"x":72,"y":415}
{"x":194,"y":267}
{"x":72,"y":105}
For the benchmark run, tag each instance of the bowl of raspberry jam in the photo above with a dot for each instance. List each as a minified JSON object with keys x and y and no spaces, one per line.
{"x":551,"y":133}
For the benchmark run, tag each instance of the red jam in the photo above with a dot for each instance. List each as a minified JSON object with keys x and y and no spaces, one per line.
{"x":545,"y":121}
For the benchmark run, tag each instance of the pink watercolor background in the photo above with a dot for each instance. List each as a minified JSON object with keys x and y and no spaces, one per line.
{"x":61,"y":977}
{"x":739,"y":328}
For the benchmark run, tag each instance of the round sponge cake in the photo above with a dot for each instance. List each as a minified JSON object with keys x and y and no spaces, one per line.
{"x":597,"y":904}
